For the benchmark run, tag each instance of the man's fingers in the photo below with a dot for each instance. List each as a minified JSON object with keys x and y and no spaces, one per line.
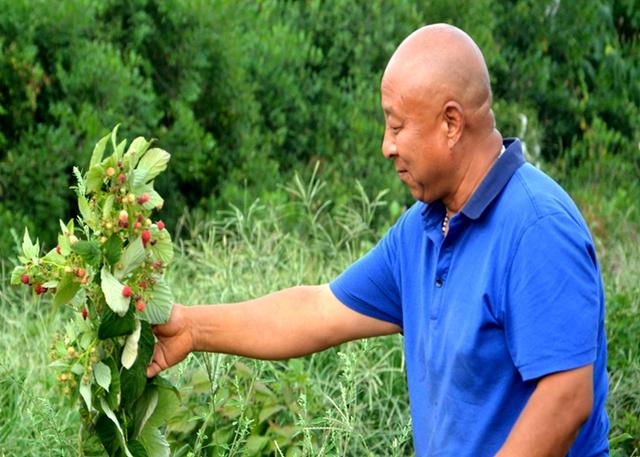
{"x":158,"y":361}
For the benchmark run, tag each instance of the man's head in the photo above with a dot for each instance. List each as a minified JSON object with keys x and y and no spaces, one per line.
{"x":436,"y":96}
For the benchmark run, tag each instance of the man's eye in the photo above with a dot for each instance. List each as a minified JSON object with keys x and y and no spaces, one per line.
{"x":395,"y":130}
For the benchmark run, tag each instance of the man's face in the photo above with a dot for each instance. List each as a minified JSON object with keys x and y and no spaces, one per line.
{"x":415,"y":138}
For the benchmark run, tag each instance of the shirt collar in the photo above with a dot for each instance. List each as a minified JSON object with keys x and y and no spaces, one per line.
{"x":499,"y":174}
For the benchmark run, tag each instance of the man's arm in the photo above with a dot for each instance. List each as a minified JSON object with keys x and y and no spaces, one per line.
{"x":289,"y":323}
{"x":551,"y":420}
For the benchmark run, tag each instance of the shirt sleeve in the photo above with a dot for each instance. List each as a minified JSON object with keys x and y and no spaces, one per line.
{"x":553,"y":298}
{"x":370,"y":285}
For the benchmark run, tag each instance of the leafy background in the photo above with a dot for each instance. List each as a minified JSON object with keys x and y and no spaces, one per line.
{"x":270,"y":110}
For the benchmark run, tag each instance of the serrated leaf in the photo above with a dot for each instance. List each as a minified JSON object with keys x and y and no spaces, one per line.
{"x":154,"y":162}
{"x":159,"y":307}
{"x":29,"y":249}
{"x":155,"y":442}
{"x":131,"y":259}
{"x":85,"y":211}
{"x":113,"y":325}
{"x":54,"y":258}
{"x":137,"y":449}
{"x":95,"y":178}
{"x":98,"y":150}
{"x":130,"y":351}
{"x":85,"y":393}
{"x":114,"y":136}
{"x":168,"y":404}
{"x":107,"y":207}
{"x":134,"y":380}
{"x":163,"y":247}
{"x":67,"y":289}
{"x":136,"y":180}
{"x":113,"y":396}
{"x":110,"y":414}
{"x":102,"y":374}
{"x":112,"y":289}
{"x":112,"y":249}
{"x":136,"y":149}
{"x":89,"y":251}
{"x":144,"y":408}
{"x":119,"y":150}
{"x":16,"y":275}
{"x":50,"y":284}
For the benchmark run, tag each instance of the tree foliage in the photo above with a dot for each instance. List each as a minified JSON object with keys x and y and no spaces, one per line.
{"x":244,"y":93}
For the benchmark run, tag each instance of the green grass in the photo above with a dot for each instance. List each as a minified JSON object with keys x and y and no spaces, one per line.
{"x":349,"y":400}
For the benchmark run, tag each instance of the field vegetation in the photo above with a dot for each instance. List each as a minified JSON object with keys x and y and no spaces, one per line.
{"x":270,"y":110}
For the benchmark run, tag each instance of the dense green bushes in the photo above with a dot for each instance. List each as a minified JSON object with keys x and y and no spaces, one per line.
{"x":243,"y":93}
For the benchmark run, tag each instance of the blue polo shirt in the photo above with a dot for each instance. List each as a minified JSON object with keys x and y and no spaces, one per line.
{"x":511,"y":294}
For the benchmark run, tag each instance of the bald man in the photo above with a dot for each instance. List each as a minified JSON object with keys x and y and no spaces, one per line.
{"x":491,"y":276}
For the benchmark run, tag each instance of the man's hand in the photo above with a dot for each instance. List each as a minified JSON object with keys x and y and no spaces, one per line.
{"x":175,"y":341}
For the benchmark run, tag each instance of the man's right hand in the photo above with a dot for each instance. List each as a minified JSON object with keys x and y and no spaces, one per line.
{"x":175,"y":341}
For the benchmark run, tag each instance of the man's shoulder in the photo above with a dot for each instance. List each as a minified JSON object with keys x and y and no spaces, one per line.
{"x":534,"y":195}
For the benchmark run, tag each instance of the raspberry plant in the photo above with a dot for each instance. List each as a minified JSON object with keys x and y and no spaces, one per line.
{"x":108,"y":267}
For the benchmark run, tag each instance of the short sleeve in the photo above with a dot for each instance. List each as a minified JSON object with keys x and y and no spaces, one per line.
{"x":370,"y":285}
{"x":553,"y":298}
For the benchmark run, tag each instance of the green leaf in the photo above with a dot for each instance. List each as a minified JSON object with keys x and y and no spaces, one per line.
{"x":130,"y":351}
{"x":155,"y":442}
{"x":144,"y":408}
{"x":159,"y":307}
{"x":269,"y":411}
{"x":134,"y":380}
{"x":67,"y":289}
{"x":16,"y":275}
{"x":112,"y":289}
{"x":88,"y":216}
{"x":107,"y":207}
{"x":119,"y":150}
{"x":89,"y":251}
{"x":29,"y":249}
{"x":113,"y":325}
{"x":168,"y":404}
{"x":113,"y":396}
{"x":102,"y":374}
{"x":112,"y":249}
{"x":94,"y":179}
{"x":114,"y":136}
{"x":54,"y":258}
{"x":85,"y":393}
{"x":255,"y":443}
{"x":98,"y":150}
{"x":131,"y":259}
{"x":163,"y":247}
{"x":154,"y":162}
{"x":137,"y":148}
{"x":137,"y":449}
{"x":107,"y":433}
{"x":110,"y":414}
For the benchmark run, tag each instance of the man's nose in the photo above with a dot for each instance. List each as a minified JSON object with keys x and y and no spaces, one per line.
{"x":389,"y":149}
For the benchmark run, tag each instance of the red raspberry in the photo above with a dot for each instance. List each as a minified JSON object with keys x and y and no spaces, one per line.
{"x":126,"y":291}
{"x":144,"y":198}
{"x":85,"y":313}
{"x":121,"y":178}
{"x":160,"y":225}
{"x":143,"y":284}
{"x":24,"y":279}
{"x":80,"y":272}
{"x":58,"y":250}
{"x":39,"y":289}
{"x":140,"y":305}
{"x":123,"y":217}
{"x":146,"y":236}
{"x":137,"y":226}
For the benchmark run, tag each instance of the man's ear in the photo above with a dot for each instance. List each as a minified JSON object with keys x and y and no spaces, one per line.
{"x":454,"y":119}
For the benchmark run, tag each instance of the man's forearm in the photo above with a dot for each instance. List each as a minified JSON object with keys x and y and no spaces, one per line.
{"x":552,"y":418}
{"x":289,"y":323}
{"x":280,"y":325}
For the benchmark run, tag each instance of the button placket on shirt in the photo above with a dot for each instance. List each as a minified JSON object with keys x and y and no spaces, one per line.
{"x":442,"y":270}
